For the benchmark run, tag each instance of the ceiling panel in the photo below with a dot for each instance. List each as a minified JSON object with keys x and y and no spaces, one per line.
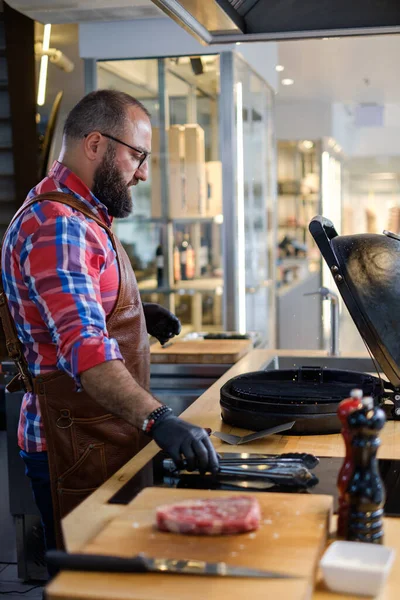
{"x":77,"y":11}
{"x":349,"y":70}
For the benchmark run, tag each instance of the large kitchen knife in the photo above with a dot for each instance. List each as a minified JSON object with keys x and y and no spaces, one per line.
{"x":235,"y":440}
{"x":145,"y":564}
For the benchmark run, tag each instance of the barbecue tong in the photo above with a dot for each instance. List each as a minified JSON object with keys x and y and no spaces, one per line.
{"x":286,"y":470}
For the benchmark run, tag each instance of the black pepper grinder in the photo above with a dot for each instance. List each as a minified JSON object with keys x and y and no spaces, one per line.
{"x":366,"y":492}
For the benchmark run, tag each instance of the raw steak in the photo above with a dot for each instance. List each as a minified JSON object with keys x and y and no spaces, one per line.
{"x":235,"y":514}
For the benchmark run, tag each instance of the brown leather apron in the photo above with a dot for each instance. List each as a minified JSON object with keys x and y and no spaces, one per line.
{"x":86,"y":445}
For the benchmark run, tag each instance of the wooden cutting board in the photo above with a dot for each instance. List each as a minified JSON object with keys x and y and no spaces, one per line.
{"x":291,"y":539}
{"x":201,"y":351}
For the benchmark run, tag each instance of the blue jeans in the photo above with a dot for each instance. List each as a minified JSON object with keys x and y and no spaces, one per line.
{"x":37,"y":469}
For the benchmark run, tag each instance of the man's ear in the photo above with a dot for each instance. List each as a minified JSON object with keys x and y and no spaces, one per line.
{"x":93,"y":145}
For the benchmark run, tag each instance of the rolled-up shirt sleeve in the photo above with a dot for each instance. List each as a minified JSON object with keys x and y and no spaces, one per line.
{"x":61,"y":264}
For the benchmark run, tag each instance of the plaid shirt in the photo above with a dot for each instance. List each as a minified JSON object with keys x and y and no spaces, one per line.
{"x":60,"y":275}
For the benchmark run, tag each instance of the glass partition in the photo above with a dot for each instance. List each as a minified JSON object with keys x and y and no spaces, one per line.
{"x":256,"y":199}
{"x":299,"y":200}
{"x":173,"y":237}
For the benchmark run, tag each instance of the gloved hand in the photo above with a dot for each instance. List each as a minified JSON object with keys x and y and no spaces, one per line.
{"x":184,"y":440}
{"x":160,"y":322}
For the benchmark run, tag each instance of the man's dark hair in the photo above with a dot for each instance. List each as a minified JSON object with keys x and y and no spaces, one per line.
{"x":102,"y":110}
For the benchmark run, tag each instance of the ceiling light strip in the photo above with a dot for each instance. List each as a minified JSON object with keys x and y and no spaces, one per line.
{"x":44,"y":63}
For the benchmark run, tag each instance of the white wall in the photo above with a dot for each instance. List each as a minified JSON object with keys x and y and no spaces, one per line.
{"x":376,"y":141}
{"x":303,"y":120}
{"x":379,"y":141}
{"x":342,"y":126}
{"x":263,"y":58}
{"x":150,"y":38}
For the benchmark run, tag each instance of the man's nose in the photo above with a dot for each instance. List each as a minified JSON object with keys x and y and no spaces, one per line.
{"x":142,"y":172}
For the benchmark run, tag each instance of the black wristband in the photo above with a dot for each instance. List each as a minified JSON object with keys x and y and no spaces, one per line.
{"x":153,"y":417}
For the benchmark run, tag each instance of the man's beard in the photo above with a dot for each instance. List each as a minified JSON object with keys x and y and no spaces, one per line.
{"x":110,"y":188}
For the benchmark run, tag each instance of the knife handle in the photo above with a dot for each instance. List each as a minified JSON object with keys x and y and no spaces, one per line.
{"x":96,"y":562}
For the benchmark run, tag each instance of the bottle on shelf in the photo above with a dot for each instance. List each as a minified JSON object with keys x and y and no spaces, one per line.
{"x":366,"y":492}
{"x":176,"y":264}
{"x":160,"y":265}
{"x":183,"y":258}
{"x":203,"y":257}
{"x":347,"y":406}
{"x":190,"y":264}
{"x":187,"y":259}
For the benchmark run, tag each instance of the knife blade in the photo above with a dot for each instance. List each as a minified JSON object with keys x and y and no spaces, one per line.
{"x":145,"y":564}
{"x":166,"y":345}
{"x":229,"y":438}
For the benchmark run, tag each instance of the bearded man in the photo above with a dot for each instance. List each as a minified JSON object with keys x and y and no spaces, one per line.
{"x":78,"y":319}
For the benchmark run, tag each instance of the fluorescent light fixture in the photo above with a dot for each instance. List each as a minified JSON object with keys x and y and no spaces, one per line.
{"x":241,"y":273}
{"x":238,"y":43}
{"x":44,"y":63}
{"x":287,"y":81}
{"x":279,"y":68}
{"x":46,"y":37}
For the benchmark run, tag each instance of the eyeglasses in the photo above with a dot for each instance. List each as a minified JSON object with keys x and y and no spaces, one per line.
{"x":143,"y":154}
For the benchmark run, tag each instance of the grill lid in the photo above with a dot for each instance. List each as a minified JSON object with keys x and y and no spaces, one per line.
{"x":366,"y":269}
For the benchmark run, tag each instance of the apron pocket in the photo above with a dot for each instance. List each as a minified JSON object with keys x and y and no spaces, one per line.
{"x":88,"y":472}
{"x":70,"y":499}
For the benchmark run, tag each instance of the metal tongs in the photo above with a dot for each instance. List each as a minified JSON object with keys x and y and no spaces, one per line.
{"x":289,"y":470}
{"x":294,"y":475}
{"x":307,"y":460}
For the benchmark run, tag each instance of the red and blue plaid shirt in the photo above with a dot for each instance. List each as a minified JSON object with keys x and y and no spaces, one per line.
{"x":60,"y":275}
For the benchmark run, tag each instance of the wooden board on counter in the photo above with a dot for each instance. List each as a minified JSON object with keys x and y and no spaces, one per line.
{"x":201,"y":351}
{"x":290,"y":540}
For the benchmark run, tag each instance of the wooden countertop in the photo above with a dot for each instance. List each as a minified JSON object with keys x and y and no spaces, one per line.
{"x":94,"y":513}
{"x":200,"y":351}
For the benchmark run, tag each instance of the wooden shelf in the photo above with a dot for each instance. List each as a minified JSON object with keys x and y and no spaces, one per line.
{"x":182,"y":220}
{"x":208,"y":284}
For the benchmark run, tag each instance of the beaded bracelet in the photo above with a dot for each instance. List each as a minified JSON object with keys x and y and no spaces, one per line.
{"x":154,"y":416}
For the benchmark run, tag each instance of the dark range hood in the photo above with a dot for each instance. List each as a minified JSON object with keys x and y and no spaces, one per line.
{"x":229,"y":21}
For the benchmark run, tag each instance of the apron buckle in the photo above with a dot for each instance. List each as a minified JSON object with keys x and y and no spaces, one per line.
{"x":65,"y":420}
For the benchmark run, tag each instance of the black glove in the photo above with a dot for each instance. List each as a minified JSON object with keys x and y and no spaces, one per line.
{"x":160,"y":322}
{"x":184,"y":440}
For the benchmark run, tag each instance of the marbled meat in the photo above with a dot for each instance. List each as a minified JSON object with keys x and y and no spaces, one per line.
{"x":235,"y":514}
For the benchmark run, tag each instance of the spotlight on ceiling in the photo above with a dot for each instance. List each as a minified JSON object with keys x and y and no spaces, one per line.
{"x":287,"y":81}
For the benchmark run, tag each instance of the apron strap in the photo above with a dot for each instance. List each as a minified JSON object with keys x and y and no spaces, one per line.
{"x":23,"y":380}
